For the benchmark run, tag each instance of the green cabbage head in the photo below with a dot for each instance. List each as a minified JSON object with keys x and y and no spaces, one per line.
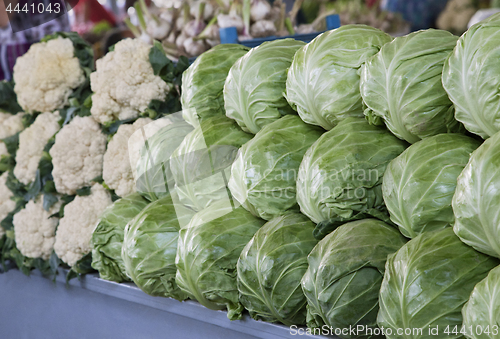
{"x":271,"y":266}
{"x":401,"y":85}
{"x":476,"y":202}
{"x":150,"y":246}
{"x":207,"y":254}
{"x":323,"y":81}
{"x":203,"y":82}
{"x":419,"y":184}
{"x":345,"y":272}
{"x":154,"y":178}
{"x":341,"y":174}
{"x":471,"y":77}
{"x":263,"y":177}
{"x":253,"y":92}
{"x":482,"y":312}
{"x":201,"y":165}
{"x":107,"y":238}
{"x":426,"y":284}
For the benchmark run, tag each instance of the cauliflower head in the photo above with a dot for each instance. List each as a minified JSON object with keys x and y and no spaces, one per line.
{"x":75,"y":228}
{"x":31,"y":144}
{"x":124,"y":83}
{"x":46,"y":75}
{"x":34,"y":230}
{"x":10,"y":124}
{"x":6,"y":204}
{"x":77,"y":154}
{"x":117,"y":173}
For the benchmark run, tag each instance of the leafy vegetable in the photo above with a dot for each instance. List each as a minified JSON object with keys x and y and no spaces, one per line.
{"x":203,"y":82}
{"x":170,"y":73}
{"x":481,"y":312}
{"x":207,"y":254}
{"x":253,"y":92}
{"x":271,"y":266}
{"x":8,"y":98}
{"x":153,"y":168}
{"x":164,"y":67}
{"x":345,"y":272}
{"x":419,"y":184}
{"x":476,"y":202}
{"x":323,"y":80}
{"x":201,"y":165}
{"x":471,"y":77}
{"x":150,"y":244}
{"x":427,"y":282}
{"x":8,"y":161}
{"x":263,"y":177}
{"x":401,"y":85}
{"x":341,"y":174}
{"x":107,"y":237}
{"x":43,"y":178}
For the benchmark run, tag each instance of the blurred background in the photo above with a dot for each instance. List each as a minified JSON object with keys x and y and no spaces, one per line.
{"x":190,"y":27}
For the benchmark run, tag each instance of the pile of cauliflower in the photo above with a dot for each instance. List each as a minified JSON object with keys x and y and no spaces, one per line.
{"x":89,"y":164}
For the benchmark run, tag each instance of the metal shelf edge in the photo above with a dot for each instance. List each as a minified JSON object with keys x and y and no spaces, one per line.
{"x":189,"y":309}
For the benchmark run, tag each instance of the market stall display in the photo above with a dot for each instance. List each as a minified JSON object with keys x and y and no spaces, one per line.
{"x":273,"y":191}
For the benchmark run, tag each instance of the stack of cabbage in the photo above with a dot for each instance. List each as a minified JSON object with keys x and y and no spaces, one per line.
{"x":343,"y":182}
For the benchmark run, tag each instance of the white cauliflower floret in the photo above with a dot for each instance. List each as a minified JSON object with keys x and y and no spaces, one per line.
{"x":46,"y":75}
{"x":31,"y":144}
{"x":77,"y":154}
{"x":124,"y":83}
{"x":75,"y":228}
{"x":10,"y":124}
{"x":34,"y":230}
{"x":6,"y":204}
{"x":117,"y":173}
